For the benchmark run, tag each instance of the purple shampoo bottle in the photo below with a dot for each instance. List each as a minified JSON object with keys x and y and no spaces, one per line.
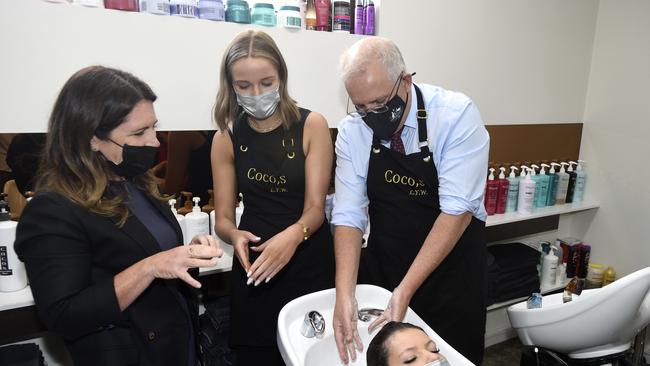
{"x":369,"y":15}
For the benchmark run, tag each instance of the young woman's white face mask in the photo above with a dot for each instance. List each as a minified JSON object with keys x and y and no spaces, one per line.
{"x":256,"y":83}
{"x":260,"y":106}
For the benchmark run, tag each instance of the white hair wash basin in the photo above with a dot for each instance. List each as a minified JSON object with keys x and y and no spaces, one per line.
{"x":599,"y":322}
{"x":298,"y":350}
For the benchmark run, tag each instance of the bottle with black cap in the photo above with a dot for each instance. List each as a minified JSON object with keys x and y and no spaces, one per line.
{"x":12,"y":271}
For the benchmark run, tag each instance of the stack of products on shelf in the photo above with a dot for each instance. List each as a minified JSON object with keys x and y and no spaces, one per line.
{"x":538,"y":185}
{"x":347,"y":16}
{"x":512,"y":272}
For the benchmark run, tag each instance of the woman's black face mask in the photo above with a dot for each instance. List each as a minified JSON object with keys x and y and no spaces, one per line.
{"x":136,"y":160}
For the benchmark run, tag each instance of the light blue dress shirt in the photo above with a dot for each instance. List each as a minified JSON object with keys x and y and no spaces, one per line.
{"x":458,"y":141}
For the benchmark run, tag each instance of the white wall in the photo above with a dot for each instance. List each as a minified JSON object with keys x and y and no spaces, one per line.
{"x":616,"y":135}
{"x":522,"y":61}
{"x":42,"y":44}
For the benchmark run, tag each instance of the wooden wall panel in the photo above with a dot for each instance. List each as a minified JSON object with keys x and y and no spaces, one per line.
{"x":509,"y":143}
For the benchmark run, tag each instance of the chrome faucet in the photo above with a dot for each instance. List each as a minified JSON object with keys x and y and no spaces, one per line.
{"x":313,"y":325}
{"x":366,"y":314}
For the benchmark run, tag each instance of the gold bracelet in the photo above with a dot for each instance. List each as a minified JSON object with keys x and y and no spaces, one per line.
{"x":305,"y":231}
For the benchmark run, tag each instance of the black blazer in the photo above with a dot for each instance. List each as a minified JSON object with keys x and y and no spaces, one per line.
{"x":72,"y":255}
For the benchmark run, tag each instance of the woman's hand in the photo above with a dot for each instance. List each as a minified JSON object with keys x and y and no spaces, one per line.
{"x":240,"y":240}
{"x":174,"y":263}
{"x":276,"y":253}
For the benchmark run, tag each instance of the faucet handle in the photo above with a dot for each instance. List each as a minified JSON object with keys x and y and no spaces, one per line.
{"x":313,"y":325}
{"x":366,"y":314}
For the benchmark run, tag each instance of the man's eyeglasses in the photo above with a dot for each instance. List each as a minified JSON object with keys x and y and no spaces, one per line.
{"x":380,"y":108}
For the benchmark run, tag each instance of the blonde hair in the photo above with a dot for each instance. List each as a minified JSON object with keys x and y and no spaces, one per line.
{"x":93,"y":102}
{"x":251,"y":43}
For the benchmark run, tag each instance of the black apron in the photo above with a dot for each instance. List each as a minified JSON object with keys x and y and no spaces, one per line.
{"x":270,"y":169}
{"x":404,"y":203}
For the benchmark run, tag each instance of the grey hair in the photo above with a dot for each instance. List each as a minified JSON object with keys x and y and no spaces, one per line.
{"x":355,"y":60}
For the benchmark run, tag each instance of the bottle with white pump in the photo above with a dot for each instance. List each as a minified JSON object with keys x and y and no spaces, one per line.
{"x":13,"y":276}
{"x":513,"y":190}
{"x":541,"y":191}
{"x":179,"y":218}
{"x":197,"y":222}
{"x":526,"y":193}
{"x":572,"y":182}
{"x":502,"y":194}
{"x":553,"y":179}
{"x":491,"y":192}
{"x":562,"y":185}
{"x":581,"y":180}
{"x":549,"y":269}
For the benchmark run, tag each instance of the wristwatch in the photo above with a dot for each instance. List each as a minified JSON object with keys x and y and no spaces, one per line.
{"x":305,"y":231}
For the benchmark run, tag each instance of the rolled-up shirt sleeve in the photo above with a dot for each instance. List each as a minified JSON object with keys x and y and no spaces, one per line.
{"x":462,"y":163}
{"x":351,"y":198}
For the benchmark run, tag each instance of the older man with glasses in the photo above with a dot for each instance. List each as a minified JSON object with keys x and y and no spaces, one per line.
{"x":412,"y":160}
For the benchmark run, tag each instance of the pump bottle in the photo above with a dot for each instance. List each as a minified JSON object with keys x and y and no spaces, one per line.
{"x":549,"y":269}
{"x":553,"y":180}
{"x":197,"y":222}
{"x":562,"y":185}
{"x":572,"y":182}
{"x":491,"y":192}
{"x":13,"y":276}
{"x":502,"y":193}
{"x":526,"y":193}
{"x":513,"y":190}
{"x":581,"y":180}
{"x":541,"y":192}
{"x":180,"y":219}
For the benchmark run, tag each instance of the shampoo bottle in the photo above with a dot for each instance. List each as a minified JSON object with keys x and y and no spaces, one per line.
{"x":359,"y":19}
{"x":160,"y":7}
{"x":549,"y":269}
{"x":184,"y":8}
{"x":13,"y":276}
{"x":541,"y":192}
{"x":553,"y":179}
{"x":581,"y":180}
{"x":369,"y":19}
{"x":562,"y":185}
{"x":502,"y":193}
{"x":491,"y":191}
{"x":180,"y":219}
{"x":322,"y":8}
{"x":513,"y":190}
{"x":572,"y":182}
{"x":197,"y":222}
{"x":526,"y":193}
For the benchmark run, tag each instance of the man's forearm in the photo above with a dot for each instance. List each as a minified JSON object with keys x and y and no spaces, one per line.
{"x":442,"y":238}
{"x":347,"y":250}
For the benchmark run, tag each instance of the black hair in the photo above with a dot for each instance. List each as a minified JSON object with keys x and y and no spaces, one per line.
{"x":377,"y":354}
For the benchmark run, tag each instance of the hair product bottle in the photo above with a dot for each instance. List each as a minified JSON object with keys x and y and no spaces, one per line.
{"x":513,"y":190}
{"x":502,"y":194}
{"x":581,"y":180}
{"x":179,"y":218}
{"x":526,"y":193}
{"x":491,"y":192}
{"x":553,"y":179}
{"x":198,"y":223}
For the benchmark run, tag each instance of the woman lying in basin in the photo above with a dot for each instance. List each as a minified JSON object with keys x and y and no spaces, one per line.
{"x":403,"y":343}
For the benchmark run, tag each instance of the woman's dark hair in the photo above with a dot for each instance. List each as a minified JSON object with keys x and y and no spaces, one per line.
{"x":377,"y":354}
{"x":93,"y":102}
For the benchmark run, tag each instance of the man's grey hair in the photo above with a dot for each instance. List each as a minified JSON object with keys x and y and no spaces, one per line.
{"x":355,"y":60}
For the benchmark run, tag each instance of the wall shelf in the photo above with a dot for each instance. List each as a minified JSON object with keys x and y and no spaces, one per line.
{"x":507,"y":218}
{"x":544,"y":291}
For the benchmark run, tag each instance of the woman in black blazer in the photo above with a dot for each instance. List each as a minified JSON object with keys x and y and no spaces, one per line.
{"x":103,"y":252}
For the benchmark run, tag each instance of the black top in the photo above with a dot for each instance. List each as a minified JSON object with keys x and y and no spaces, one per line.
{"x":270,"y":171}
{"x":72,"y":256}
